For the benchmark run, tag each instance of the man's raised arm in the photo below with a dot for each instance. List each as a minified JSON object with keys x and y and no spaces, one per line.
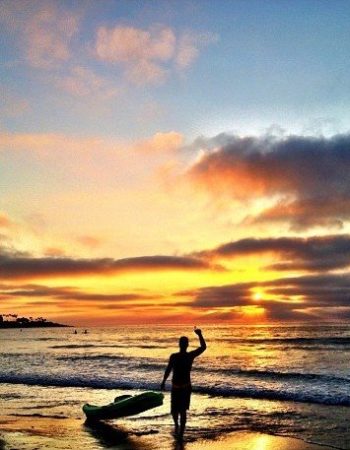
{"x":202,"y":342}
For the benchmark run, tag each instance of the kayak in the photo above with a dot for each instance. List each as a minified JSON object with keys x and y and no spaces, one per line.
{"x":124,"y":405}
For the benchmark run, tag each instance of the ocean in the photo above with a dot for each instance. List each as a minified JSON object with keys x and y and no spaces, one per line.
{"x":283,"y":380}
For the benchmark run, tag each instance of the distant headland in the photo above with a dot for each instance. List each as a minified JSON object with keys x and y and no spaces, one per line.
{"x":26,"y":322}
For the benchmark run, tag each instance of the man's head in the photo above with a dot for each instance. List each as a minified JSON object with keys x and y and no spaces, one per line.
{"x":183,"y":343}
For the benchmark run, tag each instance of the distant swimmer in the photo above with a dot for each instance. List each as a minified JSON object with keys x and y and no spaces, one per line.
{"x":181,"y":364}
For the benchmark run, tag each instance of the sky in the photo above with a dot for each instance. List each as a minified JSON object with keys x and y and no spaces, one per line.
{"x":175,"y":162}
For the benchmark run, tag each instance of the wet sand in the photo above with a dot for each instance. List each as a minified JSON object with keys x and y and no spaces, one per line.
{"x":254,"y":441}
{"x":37,"y":433}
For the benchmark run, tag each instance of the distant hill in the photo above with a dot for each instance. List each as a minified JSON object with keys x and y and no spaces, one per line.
{"x":25,"y":322}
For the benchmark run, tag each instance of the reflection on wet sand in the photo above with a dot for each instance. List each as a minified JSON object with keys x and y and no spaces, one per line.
{"x":69,"y":434}
{"x":109,"y":435}
{"x":179,"y":445}
{"x":253,"y":441}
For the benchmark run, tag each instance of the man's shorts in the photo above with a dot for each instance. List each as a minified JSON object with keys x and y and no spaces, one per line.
{"x":180,"y":398}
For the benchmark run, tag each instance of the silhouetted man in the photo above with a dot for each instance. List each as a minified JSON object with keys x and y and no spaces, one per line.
{"x":181,"y":364}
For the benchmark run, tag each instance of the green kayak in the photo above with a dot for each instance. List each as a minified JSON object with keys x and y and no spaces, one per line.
{"x":124,"y":405}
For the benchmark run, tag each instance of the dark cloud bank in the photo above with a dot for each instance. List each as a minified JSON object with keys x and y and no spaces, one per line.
{"x":308,"y":176}
{"x":67,"y":297}
{"x":325,"y":297}
{"x":13,"y":265}
{"x":316,"y":253}
{"x":324,"y":293}
{"x":322,"y":289}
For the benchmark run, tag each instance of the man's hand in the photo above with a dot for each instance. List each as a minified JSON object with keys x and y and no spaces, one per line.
{"x":203,"y":345}
{"x":162,"y":386}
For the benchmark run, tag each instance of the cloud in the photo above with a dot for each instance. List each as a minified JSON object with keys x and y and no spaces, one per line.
{"x":160,"y":143}
{"x":90,"y":242}
{"x":305,"y":177}
{"x":83,"y":82}
{"x":5,"y":221}
{"x":48,"y":35}
{"x":141,"y":52}
{"x":187,"y":52}
{"x":25,"y":267}
{"x":295,"y":298}
{"x":124,"y":44}
{"x":69,"y":293}
{"x":44,"y":30}
{"x":46,"y":143}
{"x":147,"y":56}
{"x":188,"y":47}
{"x":221,"y":296}
{"x":314,"y":253}
{"x":54,"y":251}
{"x":99,"y":163}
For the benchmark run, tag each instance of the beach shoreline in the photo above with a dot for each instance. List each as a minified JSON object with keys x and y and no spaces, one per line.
{"x":48,"y":375}
{"x":32,"y":432}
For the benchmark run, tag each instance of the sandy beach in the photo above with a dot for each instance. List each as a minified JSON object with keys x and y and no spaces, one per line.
{"x":66,"y":433}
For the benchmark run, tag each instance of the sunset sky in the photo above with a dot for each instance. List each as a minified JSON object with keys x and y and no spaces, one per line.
{"x":175,"y":161}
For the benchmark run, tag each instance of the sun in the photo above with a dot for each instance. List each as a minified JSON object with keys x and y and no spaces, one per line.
{"x":258,"y":295}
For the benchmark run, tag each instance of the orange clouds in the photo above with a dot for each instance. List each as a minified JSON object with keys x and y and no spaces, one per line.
{"x":133,"y":44}
{"x":316,"y":211}
{"x":313,"y":297}
{"x":320,"y":294}
{"x":304,"y":177}
{"x":160,"y":143}
{"x":5,"y":221}
{"x":45,"y":144}
{"x":46,"y":31}
{"x":314,"y":253}
{"x":140,"y":52}
{"x":90,"y":242}
{"x":50,"y":37}
{"x":148,"y":56}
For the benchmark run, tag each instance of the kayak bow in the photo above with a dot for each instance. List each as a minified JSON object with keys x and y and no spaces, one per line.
{"x":124,"y":405}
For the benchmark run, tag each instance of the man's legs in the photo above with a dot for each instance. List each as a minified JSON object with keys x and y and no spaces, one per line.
{"x":183,"y":418}
{"x":175,"y":415}
{"x":180,"y":402}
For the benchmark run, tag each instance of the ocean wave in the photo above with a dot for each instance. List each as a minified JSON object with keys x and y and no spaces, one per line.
{"x":77,"y":346}
{"x":276,"y":375}
{"x":45,"y":339}
{"x":6,"y":396}
{"x":44,"y":416}
{"x":327,"y":397}
{"x":324,"y":341}
{"x":93,"y":358}
{"x":130,"y":362}
{"x":152,"y":365}
{"x":72,"y":346}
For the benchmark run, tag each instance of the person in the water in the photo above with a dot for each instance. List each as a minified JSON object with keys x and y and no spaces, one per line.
{"x":181,"y":364}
